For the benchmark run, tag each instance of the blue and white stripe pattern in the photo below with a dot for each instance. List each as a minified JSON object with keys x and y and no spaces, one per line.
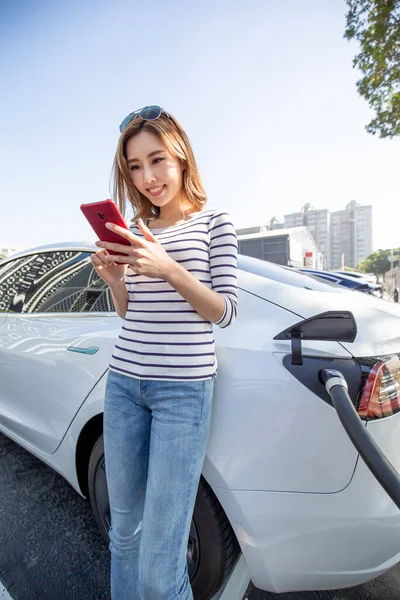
{"x":162,"y":336}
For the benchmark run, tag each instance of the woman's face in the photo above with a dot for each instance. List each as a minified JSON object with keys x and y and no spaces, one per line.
{"x":155,"y":173}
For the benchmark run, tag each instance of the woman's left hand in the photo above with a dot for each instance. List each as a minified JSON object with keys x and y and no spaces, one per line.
{"x":145,"y":256}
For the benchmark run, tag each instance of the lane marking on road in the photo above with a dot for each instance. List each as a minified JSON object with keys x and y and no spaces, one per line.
{"x":3,"y":593}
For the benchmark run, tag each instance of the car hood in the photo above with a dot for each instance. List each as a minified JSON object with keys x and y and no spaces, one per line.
{"x":378,"y":321}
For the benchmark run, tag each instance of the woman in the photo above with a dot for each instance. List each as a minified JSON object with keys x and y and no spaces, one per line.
{"x":176,"y":279}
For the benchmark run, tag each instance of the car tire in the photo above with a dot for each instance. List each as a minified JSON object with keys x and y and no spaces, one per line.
{"x":212,"y":548}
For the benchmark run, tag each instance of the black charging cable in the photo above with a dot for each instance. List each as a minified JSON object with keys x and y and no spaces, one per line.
{"x":381,"y":468}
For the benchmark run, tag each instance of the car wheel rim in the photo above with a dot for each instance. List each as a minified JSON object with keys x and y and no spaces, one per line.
{"x":103,"y":506}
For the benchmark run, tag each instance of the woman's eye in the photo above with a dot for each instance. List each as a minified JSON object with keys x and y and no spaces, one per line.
{"x":133,"y":167}
{"x":157,"y":160}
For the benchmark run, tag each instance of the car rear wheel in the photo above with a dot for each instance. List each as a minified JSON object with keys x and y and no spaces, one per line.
{"x":212,"y":547}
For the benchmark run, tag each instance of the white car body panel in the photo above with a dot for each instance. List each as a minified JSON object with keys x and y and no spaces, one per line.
{"x":259,"y":439}
{"x":297,"y":542}
{"x":307,"y":512}
{"x":41,"y":377}
{"x":378,"y":329}
{"x":64,"y":459}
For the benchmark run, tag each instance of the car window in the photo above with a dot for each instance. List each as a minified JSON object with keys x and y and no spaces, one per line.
{"x":66,"y":282}
{"x":11,"y":274}
{"x":350,"y":283}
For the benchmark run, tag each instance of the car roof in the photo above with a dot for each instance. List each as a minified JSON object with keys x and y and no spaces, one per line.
{"x":248,"y":264}
{"x":79,"y":245}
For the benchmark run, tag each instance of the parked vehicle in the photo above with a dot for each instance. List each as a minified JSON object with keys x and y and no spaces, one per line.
{"x":282,"y":481}
{"x":349,"y":282}
{"x":366,"y":276}
{"x":376,"y":287}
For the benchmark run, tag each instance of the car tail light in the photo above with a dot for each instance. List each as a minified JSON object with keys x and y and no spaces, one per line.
{"x":380,"y":395}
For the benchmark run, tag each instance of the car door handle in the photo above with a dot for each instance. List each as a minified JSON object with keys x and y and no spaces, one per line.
{"x":91,"y":350}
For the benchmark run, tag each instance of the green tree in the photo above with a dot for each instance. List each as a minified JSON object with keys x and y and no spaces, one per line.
{"x":379,"y":262}
{"x":375,"y":24}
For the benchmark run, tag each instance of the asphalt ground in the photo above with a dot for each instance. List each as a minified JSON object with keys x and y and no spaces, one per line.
{"x":50,"y":548}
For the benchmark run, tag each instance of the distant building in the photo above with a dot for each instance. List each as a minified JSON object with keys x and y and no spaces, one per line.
{"x":251,"y":230}
{"x":294,"y":220}
{"x":351,"y":235}
{"x":293,"y":247}
{"x":318,"y":223}
{"x":273,"y":224}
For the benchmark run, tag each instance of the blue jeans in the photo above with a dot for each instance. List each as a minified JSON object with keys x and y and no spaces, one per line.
{"x":155,"y":439}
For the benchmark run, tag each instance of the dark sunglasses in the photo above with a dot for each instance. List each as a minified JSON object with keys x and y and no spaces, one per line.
{"x":148,"y":113}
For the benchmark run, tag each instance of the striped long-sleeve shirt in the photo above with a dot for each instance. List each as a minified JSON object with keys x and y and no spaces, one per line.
{"x":162,"y":336}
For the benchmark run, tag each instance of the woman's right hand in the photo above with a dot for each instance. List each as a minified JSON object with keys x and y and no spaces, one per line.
{"x":106,"y":268}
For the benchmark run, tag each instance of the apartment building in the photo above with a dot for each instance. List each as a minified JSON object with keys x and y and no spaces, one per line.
{"x":318,"y":222}
{"x":350,"y":235}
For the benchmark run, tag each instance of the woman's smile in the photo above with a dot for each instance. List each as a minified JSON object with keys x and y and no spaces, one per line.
{"x":156,"y":191}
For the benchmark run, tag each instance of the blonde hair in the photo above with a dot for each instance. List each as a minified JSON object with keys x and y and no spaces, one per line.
{"x":176,"y":142}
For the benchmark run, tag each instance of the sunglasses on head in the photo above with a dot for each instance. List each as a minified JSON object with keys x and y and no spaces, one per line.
{"x":148,"y":113}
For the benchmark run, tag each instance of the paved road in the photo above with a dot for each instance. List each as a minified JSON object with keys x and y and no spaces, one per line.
{"x":51,"y":548}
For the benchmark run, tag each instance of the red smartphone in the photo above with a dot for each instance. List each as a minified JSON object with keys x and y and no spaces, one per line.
{"x":100,"y":213}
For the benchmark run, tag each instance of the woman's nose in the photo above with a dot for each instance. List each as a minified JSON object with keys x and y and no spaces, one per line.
{"x":149,"y":176}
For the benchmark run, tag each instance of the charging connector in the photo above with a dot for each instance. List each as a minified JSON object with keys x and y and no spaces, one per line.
{"x":381,"y":468}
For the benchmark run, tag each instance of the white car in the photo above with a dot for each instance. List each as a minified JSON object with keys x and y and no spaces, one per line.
{"x":282,"y":482}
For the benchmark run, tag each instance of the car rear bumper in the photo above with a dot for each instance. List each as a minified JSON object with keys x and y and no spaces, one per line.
{"x":298,"y":541}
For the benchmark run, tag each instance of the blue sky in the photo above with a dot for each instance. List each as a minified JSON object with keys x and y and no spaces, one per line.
{"x":265,"y":90}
